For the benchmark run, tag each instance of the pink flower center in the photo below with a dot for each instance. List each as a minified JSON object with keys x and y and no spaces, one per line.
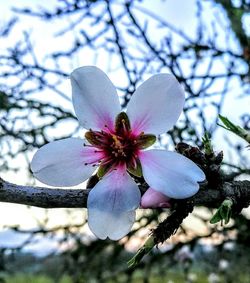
{"x":120,"y":146}
{"x":118,"y":149}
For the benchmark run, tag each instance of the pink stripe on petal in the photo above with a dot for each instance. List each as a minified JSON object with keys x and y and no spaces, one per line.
{"x":106,"y":123}
{"x":91,"y":154}
{"x":139,"y":126}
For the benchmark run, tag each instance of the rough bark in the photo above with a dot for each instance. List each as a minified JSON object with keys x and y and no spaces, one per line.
{"x":45,"y":197}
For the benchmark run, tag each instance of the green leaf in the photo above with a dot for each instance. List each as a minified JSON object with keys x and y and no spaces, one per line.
{"x":228,"y":125}
{"x":135,"y":170}
{"x":145,"y":141}
{"x":145,"y":249}
{"x":224,"y":212}
{"x":122,"y":123}
{"x":102,"y":170}
{"x":92,"y":138}
{"x":207,"y":144}
{"x":216,"y":217}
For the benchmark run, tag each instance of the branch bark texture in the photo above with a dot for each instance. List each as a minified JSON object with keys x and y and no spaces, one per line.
{"x":45,"y":197}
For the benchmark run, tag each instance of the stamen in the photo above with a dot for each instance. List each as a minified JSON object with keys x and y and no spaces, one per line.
{"x":109,"y":129}
{"x":116,"y":147}
{"x":124,"y":126}
{"x":94,"y":163}
{"x":88,"y":145}
{"x":98,"y":151}
{"x":107,"y":161}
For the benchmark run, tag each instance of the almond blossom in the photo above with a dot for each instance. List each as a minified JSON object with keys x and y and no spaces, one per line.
{"x":115,"y":143}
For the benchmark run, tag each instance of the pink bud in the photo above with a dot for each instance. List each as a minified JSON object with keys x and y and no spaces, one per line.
{"x":154,"y":199}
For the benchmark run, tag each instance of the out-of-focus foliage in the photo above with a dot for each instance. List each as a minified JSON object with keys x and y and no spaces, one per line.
{"x":131,"y":40}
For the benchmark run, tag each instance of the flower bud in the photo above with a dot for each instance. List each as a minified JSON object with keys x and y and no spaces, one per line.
{"x":154,"y":199}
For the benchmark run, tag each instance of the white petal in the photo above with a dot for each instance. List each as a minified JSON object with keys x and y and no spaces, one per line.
{"x":95,"y":99}
{"x":154,"y":199}
{"x":111,"y":205}
{"x":114,"y":226}
{"x":63,"y":163}
{"x":171,"y":173}
{"x":156,"y":105}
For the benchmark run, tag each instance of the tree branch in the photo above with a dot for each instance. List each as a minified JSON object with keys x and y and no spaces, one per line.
{"x":44,"y":197}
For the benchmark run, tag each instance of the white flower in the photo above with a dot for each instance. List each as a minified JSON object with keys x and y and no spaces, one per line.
{"x":116,"y":142}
